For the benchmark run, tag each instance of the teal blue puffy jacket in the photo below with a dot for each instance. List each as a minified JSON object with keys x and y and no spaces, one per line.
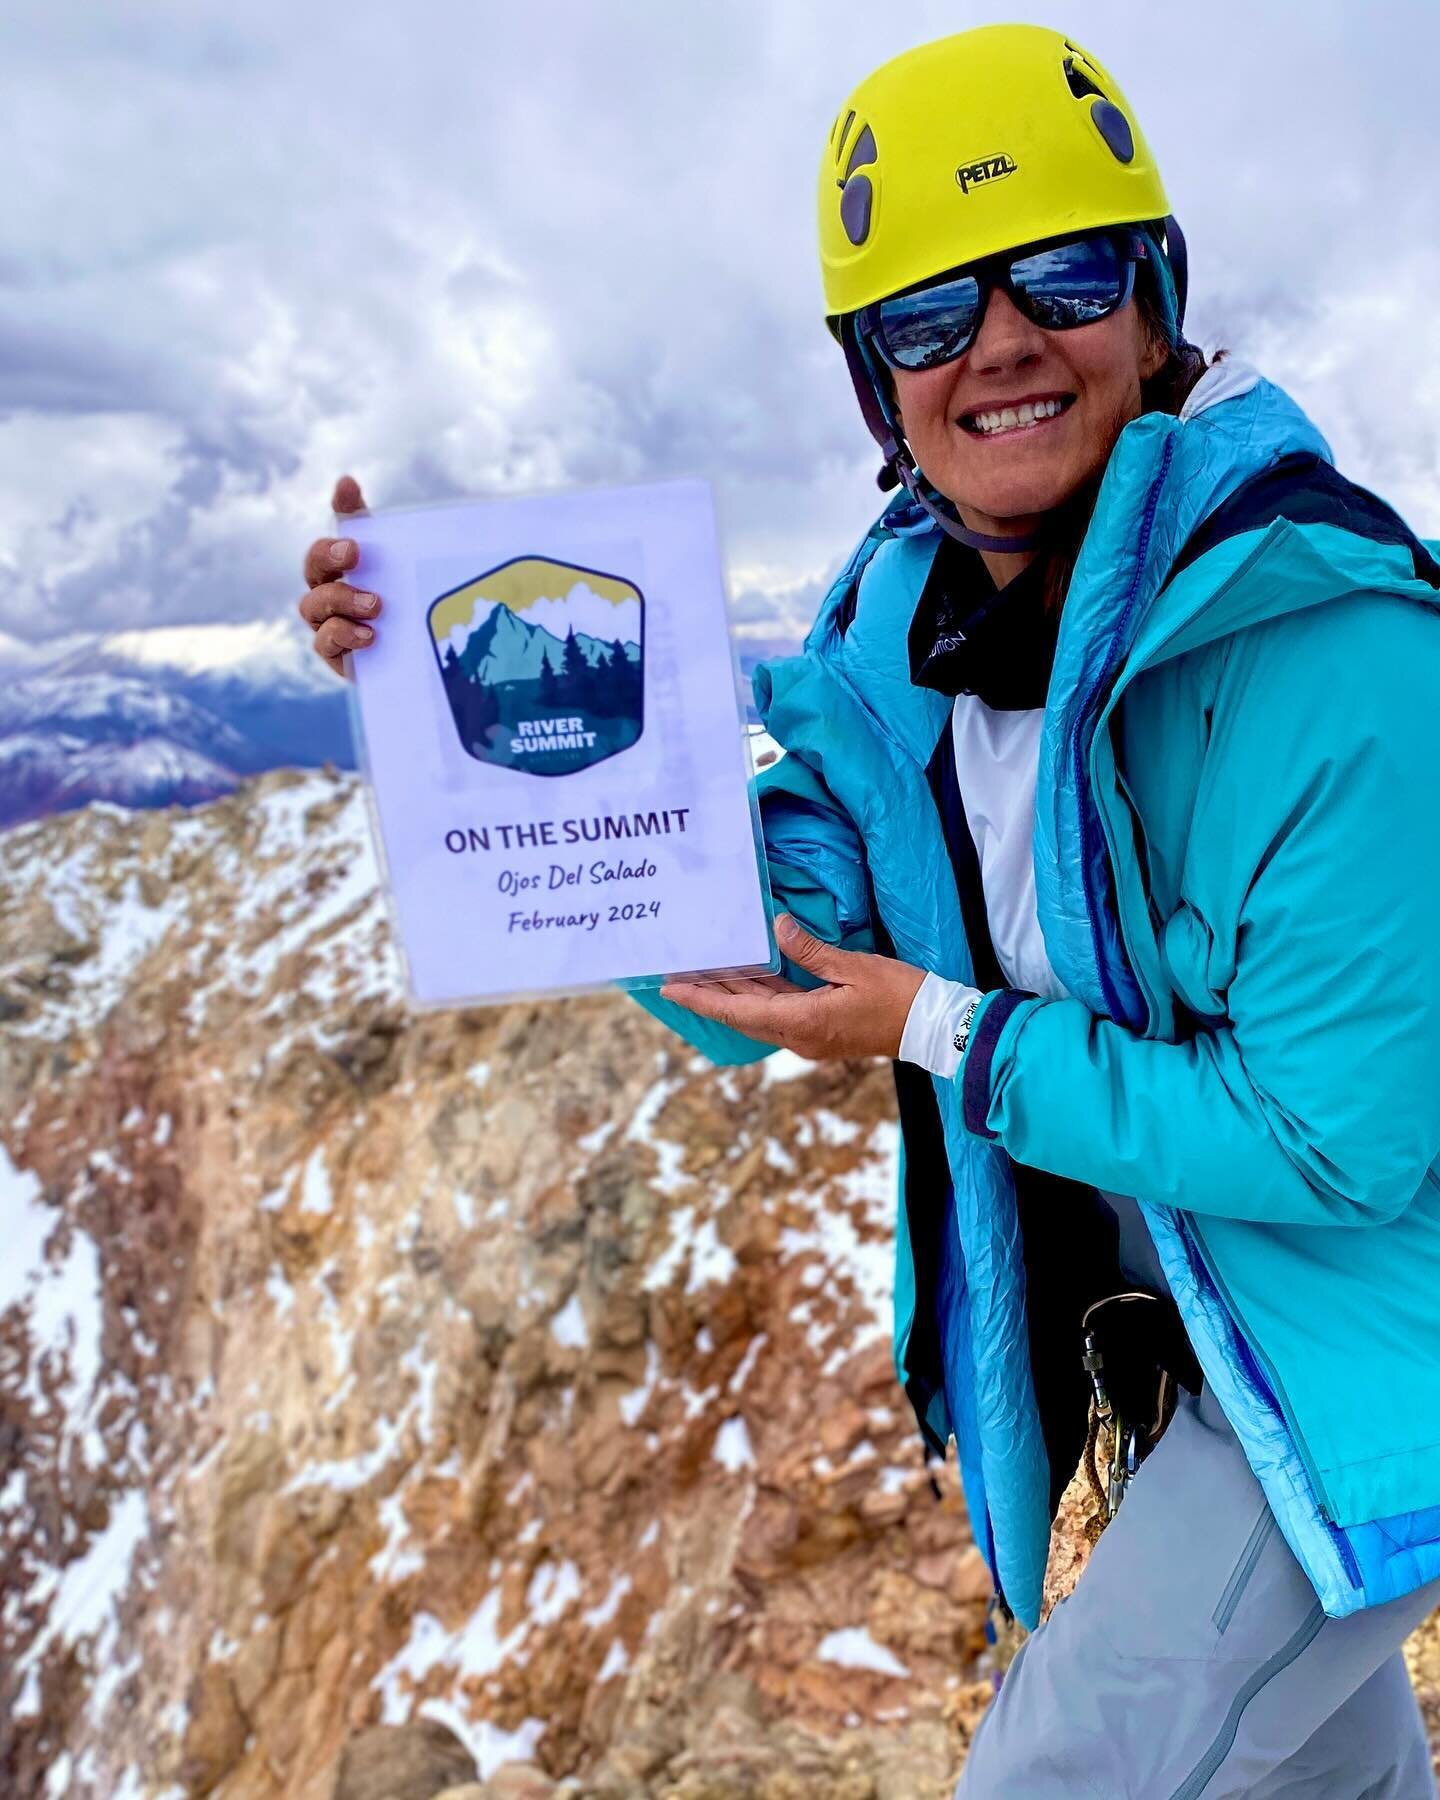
{"x":1237,"y":855}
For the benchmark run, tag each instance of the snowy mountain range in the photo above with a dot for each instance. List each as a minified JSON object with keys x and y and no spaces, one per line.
{"x":152,"y":718}
{"x":180,"y":714}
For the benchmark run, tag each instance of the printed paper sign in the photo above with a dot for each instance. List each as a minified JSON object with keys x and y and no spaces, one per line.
{"x":550,"y":726}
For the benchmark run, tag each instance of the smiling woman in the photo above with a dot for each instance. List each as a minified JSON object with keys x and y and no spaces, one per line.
{"x":1148,"y":1119}
{"x":1106,"y":813}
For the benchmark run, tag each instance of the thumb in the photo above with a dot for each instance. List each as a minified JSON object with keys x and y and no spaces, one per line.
{"x":347,"y":497}
{"x":810,"y":952}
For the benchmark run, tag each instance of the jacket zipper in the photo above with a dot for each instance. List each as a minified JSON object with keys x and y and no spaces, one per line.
{"x":1108,"y":990}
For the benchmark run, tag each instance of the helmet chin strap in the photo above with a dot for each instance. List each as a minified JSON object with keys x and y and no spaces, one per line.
{"x":944,"y":514}
{"x":900,"y":466}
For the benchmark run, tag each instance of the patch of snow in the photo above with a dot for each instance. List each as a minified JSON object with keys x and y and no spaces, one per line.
{"x":710,"y":1260}
{"x":778,"y":1157}
{"x":476,"y":1650}
{"x":568,"y":1326}
{"x":315,"y":1195}
{"x":668,"y":1177}
{"x":835,"y":1130}
{"x":83,"y":1595}
{"x":65,"y":1300}
{"x":110,"y":1676}
{"x":665,"y":1266}
{"x":491,"y":1747}
{"x":785,"y":1065}
{"x":733,"y":1450}
{"x":278,"y":1197}
{"x":280,"y":1291}
{"x":553,"y":1587}
{"x":596,"y":1139}
{"x":747,"y":1361}
{"x":395,"y":1560}
{"x":617,"y":1661}
{"x":601,"y":1615}
{"x":854,"y":1648}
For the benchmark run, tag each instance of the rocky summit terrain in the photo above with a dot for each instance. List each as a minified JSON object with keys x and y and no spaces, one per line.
{"x":492,"y":1403}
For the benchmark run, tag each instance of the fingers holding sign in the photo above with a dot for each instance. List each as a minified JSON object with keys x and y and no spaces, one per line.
{"x":860,"y":1011}
{"x":337,"y":611}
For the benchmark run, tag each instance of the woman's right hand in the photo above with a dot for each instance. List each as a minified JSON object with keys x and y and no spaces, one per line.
{"x":335,"y":611}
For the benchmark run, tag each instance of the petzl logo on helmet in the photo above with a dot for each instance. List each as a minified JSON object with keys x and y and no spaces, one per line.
{"x":985,"y":168}
{"x":543,"y":664}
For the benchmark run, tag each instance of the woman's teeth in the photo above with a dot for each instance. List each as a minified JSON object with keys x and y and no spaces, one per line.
{"x":1012,"y":418}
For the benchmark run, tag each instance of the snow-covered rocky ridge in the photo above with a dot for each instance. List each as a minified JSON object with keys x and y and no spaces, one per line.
{"x":512,"y":1377}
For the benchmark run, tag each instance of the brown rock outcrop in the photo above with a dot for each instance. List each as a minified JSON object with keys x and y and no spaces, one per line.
{"x":513,"y":1370}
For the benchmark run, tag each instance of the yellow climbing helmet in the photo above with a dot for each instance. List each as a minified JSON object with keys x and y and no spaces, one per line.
{"x":979,"y":142}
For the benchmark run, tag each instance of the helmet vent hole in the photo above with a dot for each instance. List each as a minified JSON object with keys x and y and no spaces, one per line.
{"x":844,"y":133}
{"x":864,"y":152}
{"x":855,"y":204}
{"x":1114,"y":127}
{"x":1080,"y":83}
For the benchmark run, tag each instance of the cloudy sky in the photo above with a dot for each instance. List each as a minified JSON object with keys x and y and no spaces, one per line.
{"x":467,"y":248}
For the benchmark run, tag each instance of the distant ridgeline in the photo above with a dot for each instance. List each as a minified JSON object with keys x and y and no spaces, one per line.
{"x":543,"y":664}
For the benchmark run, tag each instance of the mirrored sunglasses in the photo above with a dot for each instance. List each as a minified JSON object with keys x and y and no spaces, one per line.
{"x":1058,"y":286}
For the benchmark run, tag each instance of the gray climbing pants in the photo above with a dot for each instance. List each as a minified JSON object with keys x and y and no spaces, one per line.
{"x":1193,"y":1659}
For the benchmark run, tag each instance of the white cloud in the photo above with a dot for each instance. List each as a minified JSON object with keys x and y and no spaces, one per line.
{"x":207,"y":314}
{"x":461,"y":632}
{"x":588,"y":612}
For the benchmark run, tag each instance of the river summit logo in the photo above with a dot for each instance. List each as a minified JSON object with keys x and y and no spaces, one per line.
{"x":543,"y":664}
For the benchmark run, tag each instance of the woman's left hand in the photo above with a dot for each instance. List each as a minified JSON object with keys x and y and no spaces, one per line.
{"x":861,"y":1011}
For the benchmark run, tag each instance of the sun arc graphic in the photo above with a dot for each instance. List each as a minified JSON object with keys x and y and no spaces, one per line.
{"x":542,"y":664}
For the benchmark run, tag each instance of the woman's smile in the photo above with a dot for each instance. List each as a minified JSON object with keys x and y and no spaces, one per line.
{"x":1014,"y":418}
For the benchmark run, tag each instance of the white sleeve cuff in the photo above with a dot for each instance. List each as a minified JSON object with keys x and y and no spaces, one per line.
{"x":930,"y":1025}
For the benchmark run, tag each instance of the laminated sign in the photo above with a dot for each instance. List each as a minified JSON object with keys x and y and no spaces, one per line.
{"x":550,"y":726}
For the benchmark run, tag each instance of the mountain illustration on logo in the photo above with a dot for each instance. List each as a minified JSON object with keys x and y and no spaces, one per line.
{"x":543,"y":664}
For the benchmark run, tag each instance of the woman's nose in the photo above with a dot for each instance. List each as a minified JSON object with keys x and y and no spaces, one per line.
{"x":1005,"y":337}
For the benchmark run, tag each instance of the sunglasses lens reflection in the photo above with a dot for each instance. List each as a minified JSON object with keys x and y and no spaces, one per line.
{"x":1069,"y":284}
{"x":922,"y":329}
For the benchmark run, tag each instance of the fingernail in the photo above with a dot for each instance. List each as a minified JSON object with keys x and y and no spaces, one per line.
{"x":366,"y":602}
{"x":340,"y":551}
{"x":364,"y":633}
